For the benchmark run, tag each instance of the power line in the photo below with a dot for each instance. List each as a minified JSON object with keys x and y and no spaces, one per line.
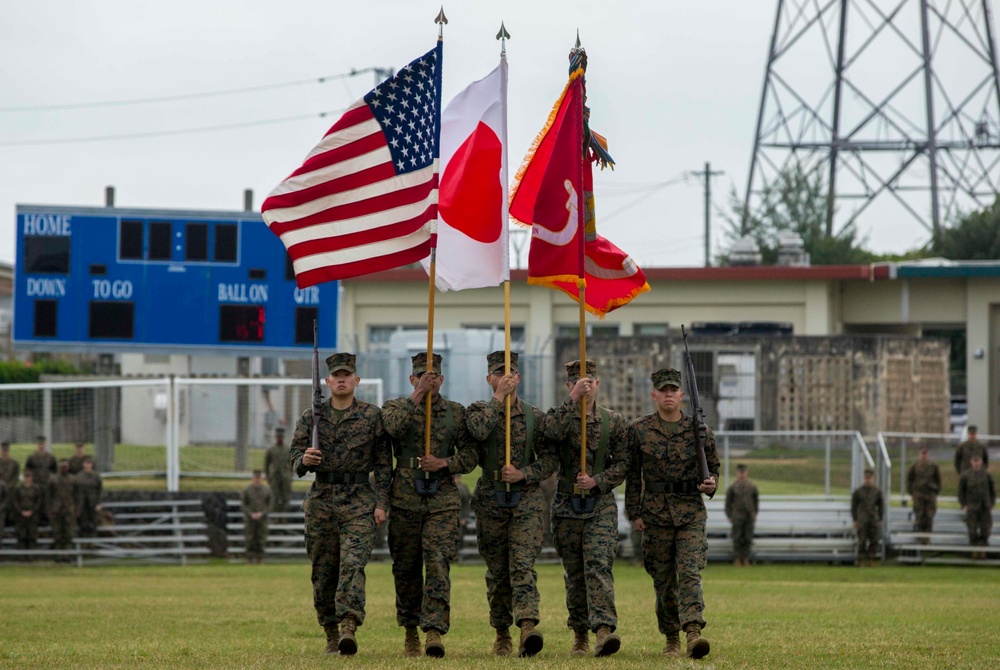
{"x":649,"y":194}
{"x":165,"y":133}
{"x":193,"y":96}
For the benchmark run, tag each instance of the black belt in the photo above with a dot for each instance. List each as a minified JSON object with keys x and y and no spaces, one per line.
{"x":689,"y":486}
{"x":342,"y":477}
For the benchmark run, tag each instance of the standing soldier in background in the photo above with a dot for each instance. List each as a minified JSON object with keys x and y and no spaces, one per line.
{"x":41,"y":463}
{"x":509,"y":525}
{"x":341,"y":508}
{"x":423,"y":529}
{"x":977,"y":494}
{"x":88,"y":502}
{"x":62,"y":507}
{"x":587,"y":541}
{"x":742,"y":507}
{"x":76,"y":460}
{"x":923,"y":483}
{"x":867,"y":510}
{"x":966,"y":450}
{"x":10,"y":471}
{"x":279,"y":475}
{"x":255,"y":502}
{"x":663,"y":499}
{"x":26,"y":504}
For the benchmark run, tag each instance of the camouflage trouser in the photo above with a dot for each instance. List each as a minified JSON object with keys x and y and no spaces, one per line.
{"x":674,"y":557}
{"x":340,"y":532}
{"x":63,"y":529}
{"x":255,"y":533}
{"x":88,"y":522}
{"x":980,"y":523}
{"x":27,"y":532}
{"x":587,"y":548}
{"x":423,"y":542}
{"x":742,"y":535}
{"x":510,"y":544}
{"x":281,"y":489}
{"x":924,"y":509}
{"x":868,"y":537}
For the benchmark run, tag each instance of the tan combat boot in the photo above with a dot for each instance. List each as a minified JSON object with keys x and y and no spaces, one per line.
{"x":531,"y":639}
{"x":581,"y":643}
{"x":433,"y":646}
{"x":607,"y":643}
{"x":697,"y":646}
{"x":503,"y":645}
{"x":348,"y":646}
{"x":332,"y":638}
{"x":411,"y":646}
{"x":673,"y":646}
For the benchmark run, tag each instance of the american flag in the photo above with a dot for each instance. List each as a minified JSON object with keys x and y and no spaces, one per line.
{"x":365,"y":198}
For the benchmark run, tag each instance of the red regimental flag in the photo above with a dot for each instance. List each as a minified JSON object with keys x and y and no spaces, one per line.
{"x":548,"y":191}
{"x":551,"y":186}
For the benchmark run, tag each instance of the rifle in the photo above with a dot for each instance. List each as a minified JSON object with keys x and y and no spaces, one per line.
{"x":700,"y":429}
{"x":317,"y":391}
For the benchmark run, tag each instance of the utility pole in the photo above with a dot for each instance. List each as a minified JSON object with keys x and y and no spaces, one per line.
{"x":707,"y":175}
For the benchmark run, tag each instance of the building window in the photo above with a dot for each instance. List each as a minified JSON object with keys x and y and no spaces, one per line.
{"x":658,"y":329}
{"x":378,"y":336}
{"x":517,"y":331}
{"x":593,"y":330}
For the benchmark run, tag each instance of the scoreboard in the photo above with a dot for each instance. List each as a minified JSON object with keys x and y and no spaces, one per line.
{"x":108,"y":280}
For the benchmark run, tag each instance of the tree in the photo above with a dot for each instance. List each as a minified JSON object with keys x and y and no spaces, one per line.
{"x":973,"y":237}
{"x":796,"y":202}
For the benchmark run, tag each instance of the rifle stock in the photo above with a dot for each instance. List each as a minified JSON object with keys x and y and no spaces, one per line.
{"x":317,"y":406}
{"x":700,"y":429}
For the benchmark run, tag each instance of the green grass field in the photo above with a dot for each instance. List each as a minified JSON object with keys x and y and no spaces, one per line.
{"x":222,"y":615}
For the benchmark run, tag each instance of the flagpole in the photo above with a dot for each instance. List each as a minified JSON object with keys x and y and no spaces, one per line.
{"x":581,"y":281}
{"x":431,"y":273}
{"x":503,"y":36}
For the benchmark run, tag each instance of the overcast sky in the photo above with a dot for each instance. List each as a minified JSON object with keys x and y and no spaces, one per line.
{"x":671,"y":84}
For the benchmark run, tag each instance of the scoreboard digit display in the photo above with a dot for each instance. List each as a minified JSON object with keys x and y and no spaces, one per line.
{"x":104,"y":280}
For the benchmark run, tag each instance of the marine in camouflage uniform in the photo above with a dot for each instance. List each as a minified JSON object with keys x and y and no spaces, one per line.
{"x":977,"y":495}
{"x":42,"y":465}
{"x":76,"y":460}
{"x":867,"y":510}
{"x":342,"y":508}
{"x":588,"y":541}
{"x":663,"y":498}
{"x":279,"y":475}
{"x":26,"y":504}
{"x":510,"y":536}
{"x":966,"y":450}
{"x":923,"y":483}
{"x":255,"y":502}
{"x":62,"y":507}
{"x":88,"y":501}
{"x":10,"y":470}
{"x":424,"y":529}
{"x":742,"y":507}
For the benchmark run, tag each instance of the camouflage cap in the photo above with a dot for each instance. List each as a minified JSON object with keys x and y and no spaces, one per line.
{"x":495,"y":362}
{"x":973,"y":429}
{"x":666,"y":377}
{"x":869,"y":472}
{"x":420,"y":363}
{"x":341,"y":361}
{"x":573,"y":370}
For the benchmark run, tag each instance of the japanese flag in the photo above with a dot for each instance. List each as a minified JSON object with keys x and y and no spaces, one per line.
{"x":472,"y":240}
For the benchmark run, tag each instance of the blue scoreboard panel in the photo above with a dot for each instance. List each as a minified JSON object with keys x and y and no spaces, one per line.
{"x":104,"y":280}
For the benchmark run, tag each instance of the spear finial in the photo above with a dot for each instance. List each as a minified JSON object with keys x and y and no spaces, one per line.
{"x":503,"y":36}
{"x":577,"y":38}
{"x":441,"y":20}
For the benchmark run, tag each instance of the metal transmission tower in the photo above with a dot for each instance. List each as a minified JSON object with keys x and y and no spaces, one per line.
{"x":896,"y":104}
